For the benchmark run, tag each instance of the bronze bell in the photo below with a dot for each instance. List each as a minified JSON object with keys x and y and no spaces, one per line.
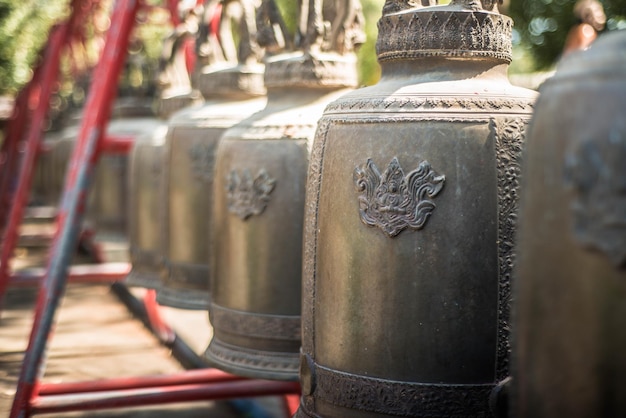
{"x":259,"y":187}
{"x":570,"y":293}
{"x":144,"y":203}
{"x":61,"y":145}
{"x":43,"y":190}
{"x":108,"y":202}
{"x":410,"y":220}
{"x":146,"y":191}
{"x":232,"y":92}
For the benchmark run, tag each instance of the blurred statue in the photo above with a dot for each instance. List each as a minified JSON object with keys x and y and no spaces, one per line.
{"x":242,"y":14}
{"x":591,"y":20}
{"x":209,"y":50}
{"x":329,"y":25}
{"x":393,"y":6}
{"x":272,"y":32}
{"x":175,"y":66}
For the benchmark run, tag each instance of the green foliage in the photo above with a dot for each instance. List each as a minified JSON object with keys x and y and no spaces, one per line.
{"x":289,"y":12}
{"x":369,"y":70}
{"x":541,"y":27}
{"x":24,"y":28}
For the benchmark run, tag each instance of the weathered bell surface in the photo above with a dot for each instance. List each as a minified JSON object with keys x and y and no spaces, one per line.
{"x":42,"y":189}
{"x":409,"y":224}
{"x":232,"y":92}
{"x":259,"y":186}
{"x":570,"y":293}
{"x":144,"y":209}
{"x":108,"y":203}
{"x":58,"y":157}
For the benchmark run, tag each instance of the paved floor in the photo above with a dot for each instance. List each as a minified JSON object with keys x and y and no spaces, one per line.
{"x":97,"y":337}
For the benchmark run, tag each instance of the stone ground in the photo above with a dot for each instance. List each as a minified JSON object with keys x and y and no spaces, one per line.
{"x":97,"y":337}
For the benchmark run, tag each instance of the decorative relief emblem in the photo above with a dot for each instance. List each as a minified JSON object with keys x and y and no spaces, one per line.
{"x":248,"y":196}
{"x":596,"y":173}
{"x":202,"y":160}
{"x":393,"y":201}
{"x":510,"y":135}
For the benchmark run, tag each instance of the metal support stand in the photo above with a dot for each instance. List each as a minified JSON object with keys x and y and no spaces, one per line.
{"x":31,"y":395}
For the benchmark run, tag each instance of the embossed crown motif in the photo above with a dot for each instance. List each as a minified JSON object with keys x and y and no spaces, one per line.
{"x":393,"y":201}
{"x":248,"y":196}
{"x":202,"y":161}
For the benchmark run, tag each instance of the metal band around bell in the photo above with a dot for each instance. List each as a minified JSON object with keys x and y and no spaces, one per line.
{"x":273,"y":327}
{"x":399,"y":398}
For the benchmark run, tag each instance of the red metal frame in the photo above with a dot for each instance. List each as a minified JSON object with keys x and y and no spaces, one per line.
{"x":87,"y":273}
{"x":31,"y":395}
{"x":49,"y":74}
{"x":165,"y":394}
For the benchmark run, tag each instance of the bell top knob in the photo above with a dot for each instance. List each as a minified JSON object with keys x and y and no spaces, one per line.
{"x":463,"y":29}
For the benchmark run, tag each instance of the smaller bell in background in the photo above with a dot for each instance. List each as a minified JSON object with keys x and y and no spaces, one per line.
{"x":145,"y":187}
{"x":259,"y":185}
{"x":570,"y":298}
{"x":232,"y":91}
{"x":108,"y":202}
{"x":144,"y":202}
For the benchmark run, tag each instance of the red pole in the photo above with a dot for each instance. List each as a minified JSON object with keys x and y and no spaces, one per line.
{"x":78,"y":180}
{"x":292,"y":403}
{"x":165,"y":395}
{"x":161,"y":329}
{"x":49,"y":76}
{"x":86,"y":273}
{"x":200,"y":376}
{"x":9,"y":155}
{"x":117,"y":144}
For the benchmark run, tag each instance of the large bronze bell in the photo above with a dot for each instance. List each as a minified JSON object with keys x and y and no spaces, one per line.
{"x":570,"y":296}
{"x":410,"y":220}
{"x":259,"y":187}
{"x":232,"y":92}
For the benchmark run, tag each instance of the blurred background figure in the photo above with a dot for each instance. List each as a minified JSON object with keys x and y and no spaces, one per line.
{"x":591,"y":20}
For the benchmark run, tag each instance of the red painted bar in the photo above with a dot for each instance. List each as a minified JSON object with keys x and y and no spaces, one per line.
{"x":201,"y":376}
{"x":87,"y":273}
{"x":292,"y":403}
{"x":160,"y":328}
{"x":9,"y":155}
{"x":164,"y":395}
{"x":71,"y":213}
{"x":112,"y":144}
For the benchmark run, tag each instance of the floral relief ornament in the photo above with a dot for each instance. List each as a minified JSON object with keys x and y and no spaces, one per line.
{"x":394,"y":202}
{"x":248,"y":196}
